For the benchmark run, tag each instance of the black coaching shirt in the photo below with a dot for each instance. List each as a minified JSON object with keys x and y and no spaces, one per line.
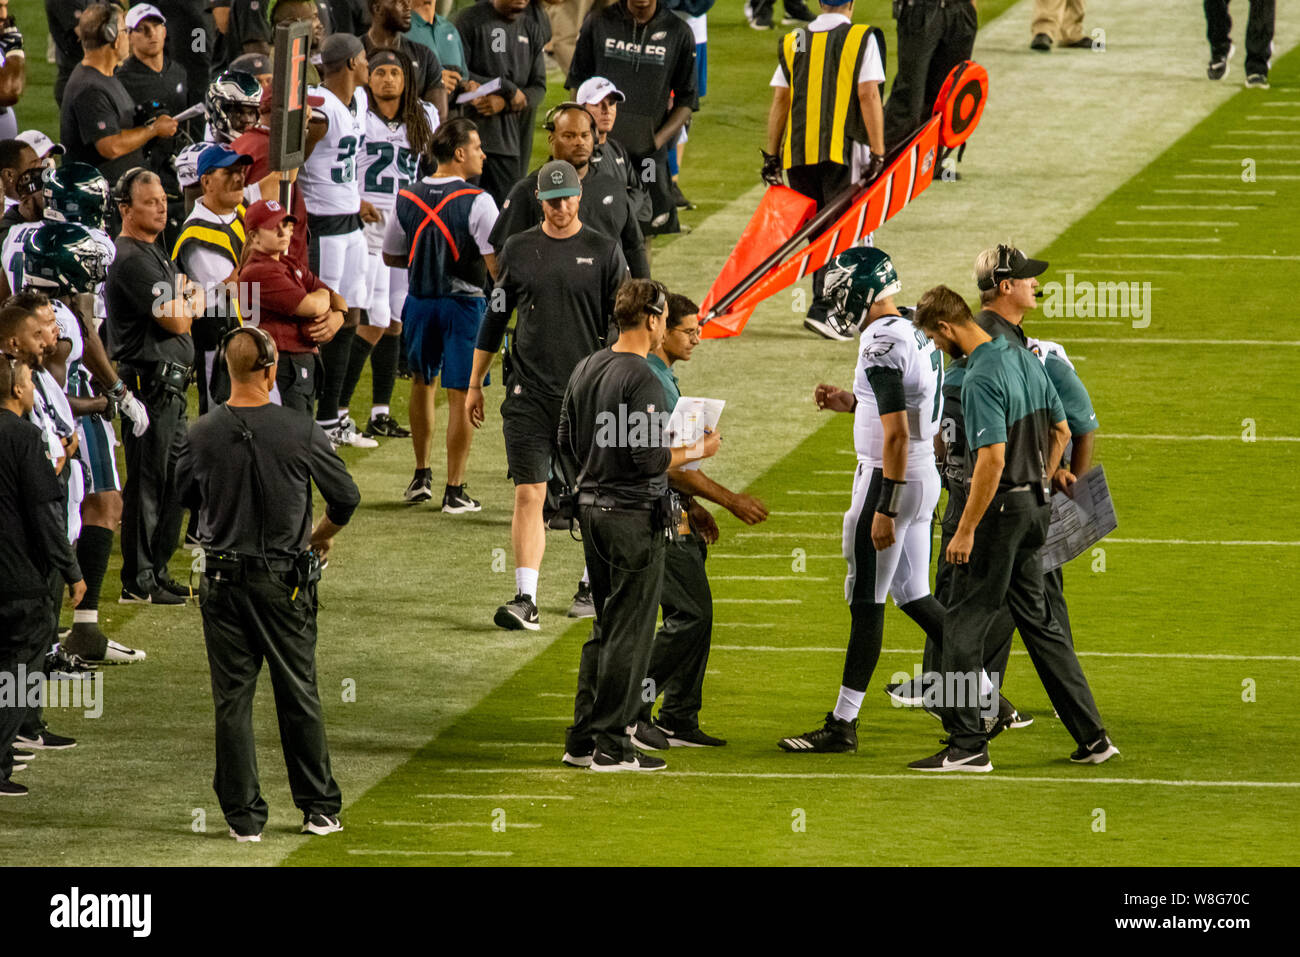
{"x":31,"y":500}
{"x":96,"y":106}
{"x":248,"y":471}
{"x":563,"y":290}
{"x":512,"y":50}
{"x":140,"y":277}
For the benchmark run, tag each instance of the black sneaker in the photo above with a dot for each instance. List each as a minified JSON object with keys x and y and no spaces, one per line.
{"x":641,"y":762}
{"x":519,"y":612}
{"x":761,"y":21}
{"x":796,"y":11}
{"x":1099,"y":751}
{"x":679,"y":199}
{"x":317,"y":823}
{"x":1218,"y":67}
{"x":578,"y":758}
{"x":1041,"y":42}
{"x":694,"y":738}
{"x":172,"y":587}
{"x":1257,"y":81}
{"x":456,"y":502}
{"x":45,"y":741}
{"x":1007,"y":717}
{"x":832,"y":326}
{"x":385,"y":426}
{"x":420,"y":489}
{"x":12,"y":789}
{"x":834,"y":737}
{"x":158,"y":596}
{"x":647,"y":737}
{"x":1083,"y":43}
{"x":584,"y":606}
{"x":20,"y":756}
{"x":955,"y":759}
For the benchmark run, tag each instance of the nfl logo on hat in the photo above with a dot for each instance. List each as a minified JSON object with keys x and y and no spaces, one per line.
{"x":272,"y":205}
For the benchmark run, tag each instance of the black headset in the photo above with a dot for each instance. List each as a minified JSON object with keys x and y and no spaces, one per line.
{"x":660,"y":304}
{"x":1003,"y":269}
{"x":122,"y":192}
{"x":265,"y":347}
{"x":553,"y":113}
{"x":107,"y":32}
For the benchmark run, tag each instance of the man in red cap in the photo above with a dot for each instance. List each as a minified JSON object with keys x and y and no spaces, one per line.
{"x":256,"y":143}
{"x":288,"y":301}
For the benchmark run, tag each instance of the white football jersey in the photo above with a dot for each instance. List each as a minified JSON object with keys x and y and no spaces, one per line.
{"x":386,"y":164}
{"x":1043,"y":348}
{"x":187,"y":164}
{"x":894,"y":343}
{"x":328,"y":180}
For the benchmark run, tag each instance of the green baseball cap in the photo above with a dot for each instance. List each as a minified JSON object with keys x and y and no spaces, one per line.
{"x":558,"y":179}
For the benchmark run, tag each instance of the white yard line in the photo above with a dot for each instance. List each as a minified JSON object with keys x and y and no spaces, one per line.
{"x":1198,"y":438}
{"x":1146,"y":340}
{"x":1083,"y":777}
{"x":758,"y":601}
{"x":497,"y":797}
{"x":1172,"y":222}
{"x":1196,"y":206}
{"x":1256,"y":257}
{"x":1174,"y":656}
{"x":1219,"y":192}
{"x":767,"y":578}
{"x":508,"y":825}
{"x":1159,"y":239}
{"x":1273,"y":177}
{"x":376,"y":852}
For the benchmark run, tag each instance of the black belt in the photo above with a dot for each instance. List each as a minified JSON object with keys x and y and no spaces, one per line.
{"x":216,"y":562}
{"x":608,"y":501}
{"x":171,"y":376}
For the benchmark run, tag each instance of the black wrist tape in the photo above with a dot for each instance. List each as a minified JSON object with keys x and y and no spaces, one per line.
{"x":891,"y":493}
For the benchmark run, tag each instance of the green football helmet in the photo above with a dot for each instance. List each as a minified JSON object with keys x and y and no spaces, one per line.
{"x":76,"y":193}
{"x":63,"y":259}
{"x":856,"y":278}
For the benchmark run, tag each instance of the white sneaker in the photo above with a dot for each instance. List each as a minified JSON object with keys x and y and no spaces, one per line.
{"x":246,"y":838}
{"x":121,"y":653}
{"x":345,"y":433}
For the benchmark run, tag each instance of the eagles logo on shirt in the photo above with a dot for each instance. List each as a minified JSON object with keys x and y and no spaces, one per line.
{"x":878,"y":349}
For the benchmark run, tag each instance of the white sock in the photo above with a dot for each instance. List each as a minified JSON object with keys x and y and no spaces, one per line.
{"x":343,"y":414}
{"x":585,"y":579}
{"x":526,"y":582}
{"x":85,"y":617}
{"x":376,"y":410}
{"x":849,"y":704}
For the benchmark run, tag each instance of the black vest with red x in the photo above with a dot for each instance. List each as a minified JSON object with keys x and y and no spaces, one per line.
{"x":435,"y":218}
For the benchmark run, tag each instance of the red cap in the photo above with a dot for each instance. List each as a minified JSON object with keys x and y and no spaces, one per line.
{"x":266,"y":214}
{"x":265,"y":105}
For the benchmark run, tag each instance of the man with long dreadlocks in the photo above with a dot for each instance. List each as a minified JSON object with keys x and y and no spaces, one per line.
{"x":399,"y":134}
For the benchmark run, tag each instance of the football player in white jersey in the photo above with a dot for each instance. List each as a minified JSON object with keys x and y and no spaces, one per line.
{"x":399,"y":132}
{"x":336,"y":212}
{"x":232,"y":104}
{"x":895,"y":403}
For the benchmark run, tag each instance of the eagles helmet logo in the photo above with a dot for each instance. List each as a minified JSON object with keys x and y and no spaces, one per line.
{"x":64,"y":257}
{"x":557,"y":177}
{"x":856,"y":278}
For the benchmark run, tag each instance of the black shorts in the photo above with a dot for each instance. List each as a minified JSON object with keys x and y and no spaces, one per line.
{"x":529,"y":423}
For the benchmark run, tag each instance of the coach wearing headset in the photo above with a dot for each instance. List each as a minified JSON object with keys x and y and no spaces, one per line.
{"x":151,"y":307}
{"x":605,"y":205}
{"x":247,"y":467}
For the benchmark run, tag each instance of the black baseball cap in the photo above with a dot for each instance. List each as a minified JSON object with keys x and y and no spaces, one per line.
{"x":558,"y":179}
{"x":1019,"y":266}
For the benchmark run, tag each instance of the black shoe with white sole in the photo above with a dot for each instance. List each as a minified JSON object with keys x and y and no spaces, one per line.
{"x":45,"y":741}
{"x":420,"y":489}
{"x":647,"y":737}
{"x":456,"y":502}
{"x":1257,"y":81}
{"x":641,"y":762}
{"x":1041,"y":42}
{"x":1103,"y":749}
{"x":694,"y":738}
{"x":318,"y":823}
{"x":834,"y":737}
{"x":953,"y":758}
{"x":384,"y":425}
{"x":832,"y":326}
{"x":584,"y":605}
{"x":12,"y":789}
{"x":158,"y":596}
{"x":518,"y":613}
{"x":577,"y":759}
{"x":1218,"y":67}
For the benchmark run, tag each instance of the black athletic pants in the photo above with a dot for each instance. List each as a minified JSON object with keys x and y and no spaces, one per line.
{"x":297,"y":378}
{"x":500,"y":173}
{"x":25,"y":628}
{"x":680,"y":654}
{"x":1005,"y":567}
{"x":820,"y":182}
{"x":625,"y":562}
{"x":151,"y":514}
{"x":244,"y":623}
{"x":1259,"y":32}
{"x":933,"y":37}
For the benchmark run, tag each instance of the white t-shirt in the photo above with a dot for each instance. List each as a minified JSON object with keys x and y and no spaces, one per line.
{"x":328,"y":180}
{"x":872,"y":69}
{"x":893,"y":343}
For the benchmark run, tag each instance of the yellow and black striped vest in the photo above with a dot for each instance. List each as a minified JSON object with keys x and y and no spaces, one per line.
{"x":227,"y":239}
{"x":822,"y":69}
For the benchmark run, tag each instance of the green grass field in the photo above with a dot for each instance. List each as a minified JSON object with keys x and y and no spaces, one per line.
{"x":456,"y":727}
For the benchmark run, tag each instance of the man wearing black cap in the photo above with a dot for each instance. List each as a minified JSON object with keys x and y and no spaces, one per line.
{"x":604,"y":205}
{"x":157,"y":84}
{"x":208,"y":250}
{"x":1016,"y":430}
{"x":256,"y":65}
{"x":561,"y":278}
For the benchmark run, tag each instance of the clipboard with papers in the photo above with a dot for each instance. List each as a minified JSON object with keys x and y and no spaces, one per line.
{"x":688,"y":421}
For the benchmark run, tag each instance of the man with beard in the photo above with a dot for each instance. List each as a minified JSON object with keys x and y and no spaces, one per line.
{"x":390,"y":19}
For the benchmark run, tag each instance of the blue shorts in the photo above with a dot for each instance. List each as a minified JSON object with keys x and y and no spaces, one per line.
{"x":440,"y":336}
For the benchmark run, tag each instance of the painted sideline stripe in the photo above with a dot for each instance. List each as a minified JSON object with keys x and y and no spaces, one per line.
{"x":1158,"y":239}
{"x":1200,"y":438}
{"x":1081,"y":778}
{"x":1172,"y":222}
{"x":1134,"y":340}
{"x":1267,"y":257}
{"x":1253,"y":146}
{"x":1271,"y":176}
{"x":363,"y":852}
{"x":1197,"y":206}
{"x":498,"y":797}
{"x":1198,"y":541}
{"x":1174,"y":655}
{"x":758,"y":601}
{"x":1220,"y":192}
{"x":434,"y":824}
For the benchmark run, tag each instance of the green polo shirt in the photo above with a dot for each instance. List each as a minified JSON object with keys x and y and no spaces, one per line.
{"x":441,"y":37}
{"x":672,"y":391}
{"x":1007,"y":397}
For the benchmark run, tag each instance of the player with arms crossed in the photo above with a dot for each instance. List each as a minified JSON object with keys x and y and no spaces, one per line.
{"x":895,"y":404}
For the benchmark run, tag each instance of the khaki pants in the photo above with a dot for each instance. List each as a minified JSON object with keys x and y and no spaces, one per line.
{"x":1062,"y":20}
{"x":566,"y":20}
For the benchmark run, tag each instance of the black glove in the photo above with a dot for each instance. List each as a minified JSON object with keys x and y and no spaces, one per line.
{"x":11,"y":38}
{"x":771,"y":171}
{"x":875,"y":167}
